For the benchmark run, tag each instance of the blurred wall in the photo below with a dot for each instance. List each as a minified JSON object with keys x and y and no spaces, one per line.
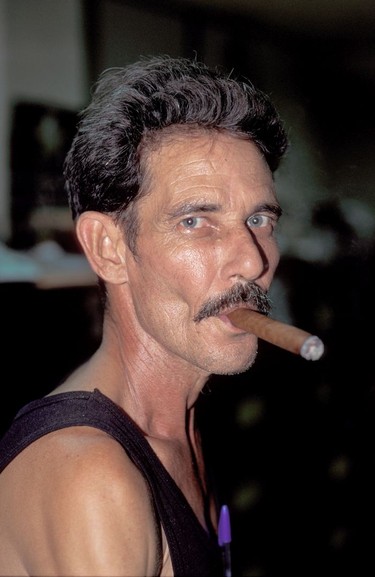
{"x":43,"y":60}
{"x":4,"y":173}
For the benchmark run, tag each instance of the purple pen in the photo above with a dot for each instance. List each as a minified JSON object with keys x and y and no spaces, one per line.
{"x":225,"y":538}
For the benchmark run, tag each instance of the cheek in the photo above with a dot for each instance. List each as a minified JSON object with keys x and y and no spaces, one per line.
{"x":182,"y":272}
{"x":168,"y":289}
{"x":271,"y":254}
{"x":191,"y":266}
{"x":274,"y":257}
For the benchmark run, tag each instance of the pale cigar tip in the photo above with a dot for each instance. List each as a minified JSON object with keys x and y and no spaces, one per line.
{"x":312,"y":348}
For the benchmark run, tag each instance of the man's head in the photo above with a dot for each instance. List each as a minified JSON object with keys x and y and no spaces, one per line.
{"x":171,"y":184}
{"x":131,"y":111}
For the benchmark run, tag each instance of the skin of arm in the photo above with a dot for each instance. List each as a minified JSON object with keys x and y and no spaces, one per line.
{"x":77,"y":491}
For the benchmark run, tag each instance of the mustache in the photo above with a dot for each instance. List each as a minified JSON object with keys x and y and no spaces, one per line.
{"x":241,"y":294}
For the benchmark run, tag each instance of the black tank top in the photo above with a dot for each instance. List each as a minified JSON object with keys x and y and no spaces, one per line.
{"x":194,"y":552}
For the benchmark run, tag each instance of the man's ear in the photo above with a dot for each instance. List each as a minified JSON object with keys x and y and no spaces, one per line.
{"x":104,"y":246}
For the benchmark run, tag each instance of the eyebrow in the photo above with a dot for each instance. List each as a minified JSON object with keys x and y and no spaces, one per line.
{"x":274,"y":208}
{"x":187,"y":207}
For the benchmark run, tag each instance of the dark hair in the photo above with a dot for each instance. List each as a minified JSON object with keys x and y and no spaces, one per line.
{"x":132,"y":105}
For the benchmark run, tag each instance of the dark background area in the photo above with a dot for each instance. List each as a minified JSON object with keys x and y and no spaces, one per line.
{"x":289,"y":443}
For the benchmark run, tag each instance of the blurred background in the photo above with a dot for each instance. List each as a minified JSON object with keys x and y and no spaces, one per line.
{"x":289,"y":442}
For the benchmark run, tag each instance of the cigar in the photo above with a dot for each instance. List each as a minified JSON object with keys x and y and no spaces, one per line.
{"x":285,"y":336}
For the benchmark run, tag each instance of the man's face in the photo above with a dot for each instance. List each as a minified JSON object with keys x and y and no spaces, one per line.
{"x":206,"y":227}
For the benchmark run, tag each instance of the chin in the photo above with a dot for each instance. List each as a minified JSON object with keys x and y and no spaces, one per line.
{"x":234,"y":366}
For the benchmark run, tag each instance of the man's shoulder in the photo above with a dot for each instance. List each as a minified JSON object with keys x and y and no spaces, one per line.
{"x":78,"y":486}
{"x":76,"y":461}
{"x":85,"y":453}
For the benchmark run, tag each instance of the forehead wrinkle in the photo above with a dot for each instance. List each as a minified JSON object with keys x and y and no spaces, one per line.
{"x":194,"y":169}
{"x":200,"y":162}
{"x":214,"y":174}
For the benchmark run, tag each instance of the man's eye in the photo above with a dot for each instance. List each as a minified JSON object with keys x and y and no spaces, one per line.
{"x":258,"y":221}
{"x":192,"y":222}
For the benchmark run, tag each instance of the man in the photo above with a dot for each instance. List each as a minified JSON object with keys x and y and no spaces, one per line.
{"x":170,"y":182}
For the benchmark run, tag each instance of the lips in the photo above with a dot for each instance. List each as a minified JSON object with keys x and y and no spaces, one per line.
{"x":226,"y":320}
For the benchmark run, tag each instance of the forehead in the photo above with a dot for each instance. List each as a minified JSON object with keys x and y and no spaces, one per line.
{"x":206,"y":162}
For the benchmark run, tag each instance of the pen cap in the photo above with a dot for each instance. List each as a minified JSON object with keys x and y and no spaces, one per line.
{"x":224,"y":530}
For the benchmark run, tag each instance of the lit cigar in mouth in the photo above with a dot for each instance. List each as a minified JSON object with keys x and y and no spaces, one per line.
{"x":277,"y":333}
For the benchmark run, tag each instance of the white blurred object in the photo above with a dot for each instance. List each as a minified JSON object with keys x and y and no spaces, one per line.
{"x":17,"y":266}
{"x":46,"y":265}
{"x":61,"y":269}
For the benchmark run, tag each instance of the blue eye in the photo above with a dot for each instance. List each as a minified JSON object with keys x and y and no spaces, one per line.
{"x":190,"y":222}
{"x":258,"y":221}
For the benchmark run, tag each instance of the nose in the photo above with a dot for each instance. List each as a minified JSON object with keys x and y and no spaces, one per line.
{"x":247,"y":258}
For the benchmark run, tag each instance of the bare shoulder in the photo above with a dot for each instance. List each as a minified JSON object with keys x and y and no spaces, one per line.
{"x":86,"y":503}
